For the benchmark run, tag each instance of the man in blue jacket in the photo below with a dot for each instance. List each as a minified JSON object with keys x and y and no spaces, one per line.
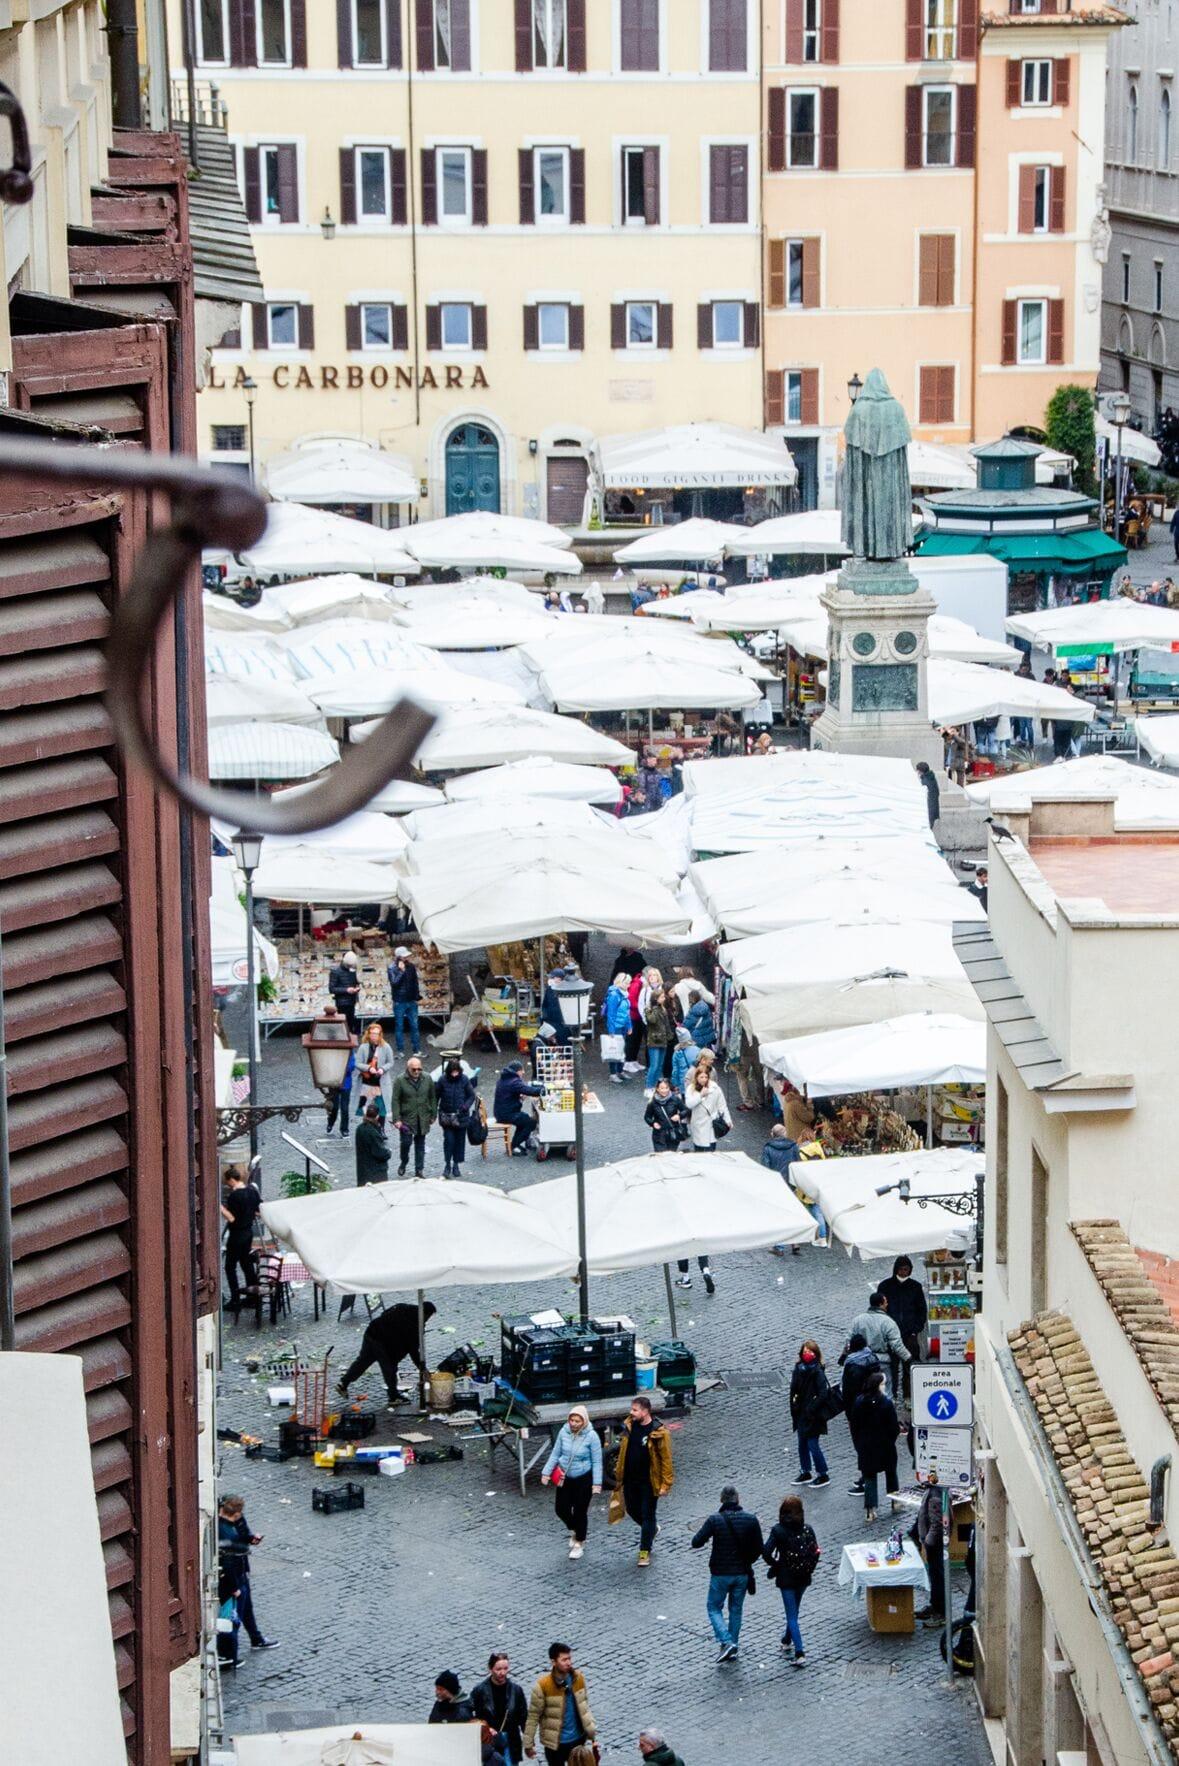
{"x":510,"y":1088}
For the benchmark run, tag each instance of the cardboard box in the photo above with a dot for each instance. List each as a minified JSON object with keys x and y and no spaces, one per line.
{"x":890,"y":1609}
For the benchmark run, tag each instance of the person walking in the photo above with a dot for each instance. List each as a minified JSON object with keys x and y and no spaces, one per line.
{"x":501,"y":1703}
{"x":344,"y":987}
{"x":456,"y":1101}
{"x":574,"y":1468}
{"x":451,"y":1704}
{"x":558,"y":1710}
{"x":659,"y":1038}
{"x":388,"y":1339}
{"x":656,"y":1749}
{"x":708,"y":1112}
{"x":415,"y":1108}
{"x":879,"y":1331}
{"x":373,"y":1151}
{"x":637,"y":993}
{"x":809,"y":1408}
{"x":737,"y":1544}
{"x":857,"y":1362}
{"x":240,"y":1209}
{"x":234,"y":1540}
{"x":684,"y":1057}
{"x":874,"y":1429}
{"x":928,"y":1529}
{"x":510,"y":1088}
{"x":372,"y":1074}
{"x":615,"y":1025}
{"x":405,"y":989}
{"x":667,"y":1117}
{"x":907,"y":1308}
{"x":642,"y":1474}
{"x":792,"y":1553}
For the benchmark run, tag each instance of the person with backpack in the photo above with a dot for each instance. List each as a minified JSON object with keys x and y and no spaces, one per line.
{"x":792,"y":1553}
{"x":810,"y":1398}
{"x":737,"y":1544}
{"x":667,"y":1117}
{"x":857,"y":1362}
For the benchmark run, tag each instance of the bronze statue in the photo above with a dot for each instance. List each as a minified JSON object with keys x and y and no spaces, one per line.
{"x":877,"y":494}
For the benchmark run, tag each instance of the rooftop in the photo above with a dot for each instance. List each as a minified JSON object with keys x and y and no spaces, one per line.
{"x":1142,"y":1288}
{"x":1080,"y":14}
{"x":1131,"y":874}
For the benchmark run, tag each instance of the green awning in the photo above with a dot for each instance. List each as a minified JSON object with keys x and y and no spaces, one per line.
{"x":1087,"y":553}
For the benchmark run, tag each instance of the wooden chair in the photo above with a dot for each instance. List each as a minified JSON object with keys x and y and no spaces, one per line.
{"x":272,"y":1291}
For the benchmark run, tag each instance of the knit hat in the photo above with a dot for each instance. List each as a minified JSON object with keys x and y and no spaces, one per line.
{"x":401,"y":951}
{"x":683,"y":1034}
{"x":448,"y":1680}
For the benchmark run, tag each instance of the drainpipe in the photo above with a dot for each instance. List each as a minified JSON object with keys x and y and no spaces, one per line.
{"x":411,"y":187}
{"x":122,"y":33}
{"x":975,"y":242}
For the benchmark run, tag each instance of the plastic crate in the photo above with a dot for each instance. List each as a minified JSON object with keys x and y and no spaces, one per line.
{"x":297,"y":1440}
{"x":676,"y":1362}
{"x":352,"y":1425}
{"x":337,"y":1501}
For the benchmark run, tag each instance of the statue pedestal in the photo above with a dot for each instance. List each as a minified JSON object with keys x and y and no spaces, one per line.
{"x":878,"y":647}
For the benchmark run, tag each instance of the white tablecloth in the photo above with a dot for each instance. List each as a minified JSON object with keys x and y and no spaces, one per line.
{"x":854,"y":1568}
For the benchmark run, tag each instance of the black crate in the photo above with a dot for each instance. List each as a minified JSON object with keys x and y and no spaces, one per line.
{"x":580,"y":1365}
{"x":618,"y":1379}
{"x":676,"y":1361}
{"x":586,"y":1386}
{"x":618,"y":1346}
{"x":545,"y":1388}
{"x":540,"y":1352}
{"x":584,"y":1343}
{"x":336,"y":1502}
{"x":299,"y":1440}
{"x":353,"y":1425}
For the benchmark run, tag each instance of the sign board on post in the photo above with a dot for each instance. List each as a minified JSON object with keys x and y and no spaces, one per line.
{"x":943,"y":1395}
{"x":955,"y":1339}
{"x":943,"y":1457}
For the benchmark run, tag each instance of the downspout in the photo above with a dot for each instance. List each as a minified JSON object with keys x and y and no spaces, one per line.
{"x":975,"y":243}
{"x":122,"y":33}
{"x":763,"y":238}
{"x":411,"y":187}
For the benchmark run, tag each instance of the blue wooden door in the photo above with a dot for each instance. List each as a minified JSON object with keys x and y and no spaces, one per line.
{"x":472,"y":470}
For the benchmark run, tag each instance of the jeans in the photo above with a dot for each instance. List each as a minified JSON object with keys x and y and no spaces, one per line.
{"x":418,"y":1142}
{"x":634,"y":1038}
{"x":732,"y":1589}
{"x":573,"y":1504}
{"x":238,"y":1255}
{"x":810,"y":1450}
{"x":871,"y":1489}
{"x":245,"y":1608}
{"x":791,"y":1600}
{"x":1023,"y":729}
{"x":338,"y":1106}
{"x":655,"y":1058}
{"x":454,"y":1144}
{"x":641,"y":1505}
{"x":813,"y":1209}
{"x":405,"y":1012}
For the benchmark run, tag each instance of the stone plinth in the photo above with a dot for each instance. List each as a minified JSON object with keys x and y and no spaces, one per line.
{"x":878,"y":648}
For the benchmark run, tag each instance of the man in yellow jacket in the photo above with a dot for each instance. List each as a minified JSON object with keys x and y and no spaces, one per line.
{"x":643,"y":1473}
{"x":559,"y":1709}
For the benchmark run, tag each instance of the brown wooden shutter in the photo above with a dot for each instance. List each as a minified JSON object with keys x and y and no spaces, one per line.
{"x":479,"y":186}
{"x":524,"y":45}
{"x":794,"y":23}
{"x":398,"y":186}
{"x":727,"y":36}
{"x":946,"y":268}
{"x":306,"y":327}
{"x":577,"y":328}
{"x":425,"y":35}
{"x":704,"y":326}
{"x":809,"y":400}
{"x":344,"y":52}
{"x":752,"y":325}
{"x":1056,"y":332}
{"x":651,"y":186}
{"x":478,"y":328}
{"x":1047,"y":6}
{"x":1010,"y":319}
{"x":1061,"y":70}
{"x":664,"y":335}
{"x":927,"y":396}
{"x":347,"y":185}
{"x":829,"y":128}
{"x":288,"y":183}
{"x":618,"y":325}
{"x":1027,"y":199}
{"x":393,"y":33}
{"x":575,"y":61}
{"x":260,"y":324}
{"x":914,"y":30}
{"x":429,"y":188}
{"x":967,"y":29}
{"x":399,"y":331}
{"x":1056,"y":187}
{"x":810,"y":272}
{"x":433,"y":328}
{"x":777,"y":249}
{"x":243,"y":38}
{"x":527,"y":188}
{"x":1014,"y":84}
{"x":577,"y":186}
{"x":460,"y":36}
{"x":927,"y":254}
{"x":967,"y":125}
{"x":252,"y":178}
{"x":776,"y":118}
{"x":353,"y":338}
{"x":718,"y":185}
{"x":946,"y":402}
{"x":830,"y":31}
{"x":531,"y":328}
{"x":912,"y":127}
{"x":738,"y":185}
{"x":298,"y":33}
{"x":775,"y":401}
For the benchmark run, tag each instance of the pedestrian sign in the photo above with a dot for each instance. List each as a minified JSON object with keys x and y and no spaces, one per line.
{"x":943,"y":1395}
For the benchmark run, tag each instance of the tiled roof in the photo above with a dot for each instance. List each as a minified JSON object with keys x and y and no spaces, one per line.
{"x":1143,"y":1290}
{"x":1111,"y":1502}
{"x":1095,"y":15}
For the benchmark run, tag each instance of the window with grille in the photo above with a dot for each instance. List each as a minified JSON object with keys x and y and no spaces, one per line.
{"x":941,"y":30}
{"x":229,"y":438}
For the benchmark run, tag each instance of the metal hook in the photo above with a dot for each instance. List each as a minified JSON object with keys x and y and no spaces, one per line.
{"x":16,"y":183}
{"x":209,"y":509}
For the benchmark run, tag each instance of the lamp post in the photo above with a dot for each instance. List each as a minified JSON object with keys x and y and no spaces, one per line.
{"x":328,"y":225}
{"x":855,"y":387}
{"x":247,"y":850}
{"x":1121,"y":416}
{"x":250,"y":388}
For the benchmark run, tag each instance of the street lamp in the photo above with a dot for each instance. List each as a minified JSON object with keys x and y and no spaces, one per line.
{"x":855,"y":387}
{"x":247,"y":850}
{"x":328,"y":226}
{"x":959,"y":1202}
{"x":329,"y":1043}
{"x":1121,"y":416}
{"x":250,"y":388}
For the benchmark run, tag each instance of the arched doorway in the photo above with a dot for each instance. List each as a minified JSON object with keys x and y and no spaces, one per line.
{"x":472,"y":470}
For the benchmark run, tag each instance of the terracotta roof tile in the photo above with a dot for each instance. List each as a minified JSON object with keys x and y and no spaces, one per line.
{"x":1142,"y":1287}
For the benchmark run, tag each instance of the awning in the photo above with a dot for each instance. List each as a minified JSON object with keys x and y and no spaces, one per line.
{"x":1134,"y":445}
{"x":340,"y":469}
{"x":694,"y":456}
{"x":1087,"y":553}
{"x":1099,"y":628}
{"x":301,"y":541}
{"x":884,"y":1226}
{"x":964,"y":692}
{"x":311,"y":874}
{"x":923,"y":1048}
{"x":269,"y":751}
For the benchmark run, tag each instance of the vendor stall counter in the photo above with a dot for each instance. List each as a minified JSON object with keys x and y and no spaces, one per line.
{"x":301,"y":991}
{"x":545,"y":1420}
{"x":887,"y":1586}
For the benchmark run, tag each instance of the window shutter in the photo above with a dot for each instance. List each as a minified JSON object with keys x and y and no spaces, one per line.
{"x":1014,"y":84}
{"x":575,"y":36}
{"x":830,"y":32}
{"x":344,"y":55}
{"x":347,"y":186}
{"x":727,"y":36}
{"x":393,"y":33}
{"x":1060,"y":80}
{"x":927,"y":396}
{"x":433,"y":328}
{"x":777,"y":272}
{"x":946,"y":395}
{"x":810,"y":272}
{"x":777,"y":128}
{"x":531,"y":328}
{"x":425,"y":35}
{"x":243,"y":40}
{"x":651,"y":186}
{"x":479,"y":328}
{"x":665,"y":326}
{"x":618,"y":326}
{"x":577,"y":328}
{"x":429,"y":188}
{"x":1049,"y":6}
{"x":352,"y":335}
{"x":914,"y":30}
{"x":793,"y":31}
{"x":927,"y":289}
{"x":288,"y":183}
{"x":577,"y":186}
{"x":260,"y":325}
{"x":967,"y":29}
{"x":252,"y":177}
{"x":738,"y":185}
{"x":460,"y":36}
{"x":298,"y":33}
{"x":913,"y":127}
{"x":527,"y":188}
{"x":400,"y":328}
{"x":1056,"y":178}
{"x":775,"y":402}
{"x":398,"y":186}
{"x":1056,"y":332}
{"x":524,"y":48}
{"x":649,"y":35}
{"x":718,"y":185}
{"x":809,"y":402}
{"x":1010,"y":315}
{"x":967,"y":125}
{"x":704,"y":326}
{"x":1027,"y":199}
{"x":306,"y":327}
{"x":829,"y":128}
{"x":479,"y":186}
{"x":946,"y":267}
{"x":752,"y":324}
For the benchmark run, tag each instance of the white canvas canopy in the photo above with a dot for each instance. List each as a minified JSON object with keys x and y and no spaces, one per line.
{"x":307,"y":873}
{"x":269,"y":751}
{"x":941,"y":467}
{"x":800,"y":797}
{"x":503,"y":668}
{"x":860,"y":901}
{"x":692,"y":456}
{"x":667,"y":829}
{"x":489,"y":591}
{"x":962,"y":692}
{"x":233,"y":699}
{"x":765,"y":608}
{"x":666,"y":1205}
{"x":647,"y":684}
{"x":689,"y":605}
{"x":340,"y":469}
{"x":749,"y":891}
{"x":368,"y":835}
{"x":1106,"y":626}
{"x":1134,"y":445}
{"x":468,"y":738}
{"x":1143,"y":799}
{"x":363,"y":1744}
{"x":468,"y":622}
{"x":812,"y":531}
{"x":922,"y":1048}
{"x":695,"y":541}
{"x":227,"y":923}
{"x":398,"y":797}
{"x":342,"y":646}
{"x":458,"y":824}
{"x":221,"y":614}
{"x":884,"y":1226}
{"x":246,"y":658}
{"x":537,"y":776}
{"x":341,"y":596}
{"x":472,"y":839}
{"x":371,"y":692}
{"x":492,"y":542}
{"x":426,"y":1232}
{"x":1158,"y":737}
{"x":299,"y":539}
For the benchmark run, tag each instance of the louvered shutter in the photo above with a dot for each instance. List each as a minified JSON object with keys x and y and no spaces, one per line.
{"x":577,"y":186}
{"x":393,"y":55}
{"x":243,"y":39}
{"x":830,"y":31}
{"x":479,"y":186}
{"x":775,"y":403}
{"x":288,"y":183}
{"x":352,"y":332}
{"x":298,"y":43}
{"x":927,"y":252}
{"x":810,"y":272}
{"x":829,"y":128}
{"x":1056,"y":187}
{"x":967,"y":125}
{"x":575,"y":36}
{"x":524,"y":43}
{"x":794,"y":32}
{"x":1056,"y":332}
{"x":577,"y":328}
{"x":912,"y":127}
{"x":704,"y":326}
{"x":967,"y":29}
{"x":618,"y":326}
{"x":1010,"y":320}
{"x":527,"y":188}
{"x":914,"y":30}
{"x":927,"y":396}
{"x":252,"y":178}
{"x":1061,"y":71}
{"x":777,"y":251}
{"x":531,"y":328}
{"x":400,"y":327}
{"x":651,"y":186}
{"x":460,"y":36}
{"x":306,"y":327}
{"x":776,"y":128}
{"x":946,"y":269}
{"x":433,"y":328}
{"x":398,"y":186}
{"x":347,"y":185}
{"x":752,"y":335}
{"x":1027,"y":199}
{"x":1014,"y":84}
{"x":429,"y":188}
{"x":344,"y":51}
{"x":424,"y":27}
{"x":727,"y":36}
{"x":479,"y":328}
{"x":260,"y":324}
{"x":665,"y":326}
{"x":809,"y":400}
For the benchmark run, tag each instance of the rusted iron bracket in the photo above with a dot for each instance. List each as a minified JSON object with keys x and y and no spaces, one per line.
{"x":16,"y":182}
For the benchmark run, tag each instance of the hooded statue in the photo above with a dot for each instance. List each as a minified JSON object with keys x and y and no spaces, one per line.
{"x":877,"y":494}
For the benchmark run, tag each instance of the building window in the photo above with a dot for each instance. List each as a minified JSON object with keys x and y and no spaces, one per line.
{"x":1132,"y":125}
{"x":802,"y":128}
{"x":936,"y":395}
{"x":279,"y":174}
{"x":551,"y":182}
{"x":1026,"y":6}
{"x":937,"y":126}
{"x":282,"y":325}
{"x":812,"y":30}
{"x":1125,"y":277}
{"x":454,"y":186}
{"x":728,"y":34}
{"x":456,"y":325}
{"x":1158,"y":286}
{"x":728,"y":186}
{"x":552,"y":325}
{"x":372,"y":183}
{"x":452,"y":35}
{"x":213,"y":32}
{"x":229,"y":438}
{"x":640,"y":186}
{"x":376,"y":325}
{"x":549,"y":42}
{"x":641,"y":325}
{"x":369,"y":47}
{"x":941,"y":30}
{"x":1032,"y":336}
{"x":274,"y":33}
{"x":1036,"y":82}
{"x":728,"y":324}
{"x":1041,"y":183}
{"x":1165,"y":131}
{"x":936,"y":253}
{"x":792,"y":402}
{"x":638,"y":36}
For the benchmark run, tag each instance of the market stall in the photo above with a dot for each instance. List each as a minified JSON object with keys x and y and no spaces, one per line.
{"x":921,"y":1048}
{"x":467,"y":737}
{"x":537,"y":776}
{"x":301,"y":541}
{"x":886,"y":1226}
{"x":752,"y":892}
{"x":884,"y":1574}
{"x":1143,"y":799}
{"x":269,"y":750}
{"x":343,"y":595}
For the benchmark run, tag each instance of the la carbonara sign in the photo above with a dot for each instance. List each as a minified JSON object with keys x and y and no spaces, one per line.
{"x":324,"y":377}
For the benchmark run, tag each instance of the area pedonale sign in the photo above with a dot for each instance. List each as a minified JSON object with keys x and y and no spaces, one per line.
{"x":324,"y":377}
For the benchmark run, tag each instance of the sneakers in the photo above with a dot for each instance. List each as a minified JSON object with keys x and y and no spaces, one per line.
{"x":616,"y":1079}
{"x":856,"y":1489}
{"x":683,"y":1281}
{"x":931,"y":1620}
{"x":800,"y":1661}
{"x":265,"y":1643}
{"x":576,"y":1549}
{"x":803,"y":1478}
{"x":728,"y":1652}
{"x":342,"y":1388}
{"x":709,"y":1284}
{"x":786,"y":1646}
{"x":633,"y":1067}
{"x":644,"y":1559}
{"x":401,"y":1171}
{"x":818,"y":1483}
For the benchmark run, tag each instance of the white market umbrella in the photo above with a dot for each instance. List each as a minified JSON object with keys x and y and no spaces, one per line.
{"x":891,"y":781}
{"x":342,"y":596}
{"x":691,"y":604}
{"x":246,"y":657}
{"x":941,"y":467}
{"x":922,"y":1048}
{"x":221,"y":614}
{"x":1158,"y":737}
{"x":498,"y":542}
{"x":341,"y":646}
{"x":371,"y":692}
{"x":962,"y":693}
{"x":479,"y":523}
{"x":368,"y":835}
{"x":1134,"y":445}
{"x":233,"y":699}
{"x":399,"y":797}
{"x":340,"y":469}
{"x":695,"y":541}
{"x":1143,"y":799}
{"x":307,"y":873}
{"x":1099,"y":628}
{"x":765,"y":608}
{"x":503,"y":668}
{"x":861,"y":901}
{"x":635,"y":685}
{"x":490,"y":591}
{"x":299,"y":539}
{"x":599,"y":849}
{"x":469,"y":738}
{"x":456,"y":910}
{"x":811,"y":795}
{"x":269,"y":751}
{"x":467,"y":622}
{"x":752,"y":892}
{"x":885,"y":1226}
{"x":949,"y":640}
{"x":457,"y":824}
{"x":811,"y":531}
{"x":536,"y":776}
{"x":363,"y":1744}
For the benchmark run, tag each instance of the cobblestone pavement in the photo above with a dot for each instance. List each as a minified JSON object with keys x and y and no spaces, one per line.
{"x":449,"y":1561}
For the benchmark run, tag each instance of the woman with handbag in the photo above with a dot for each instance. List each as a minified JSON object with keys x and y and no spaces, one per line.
{"x":456,"y":1101}
{"x":792,"y":1552}
{"x":709,"y":1114}
{"x":809,"y":1401}
{"x":373,"y":1075}
{"x":615,"y":1026}
{"x":667,"y":1118}
{"x":574,"y":1468}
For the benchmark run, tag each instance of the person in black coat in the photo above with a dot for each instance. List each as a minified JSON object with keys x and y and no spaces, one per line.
{"x":737,"y":1544}
{"x":874,"y":1429}
{"x":373,"y":1151}
{"x":344,"y":987}
{"x":792,"y":1553}
{"x":387,"y":1340}
{"x":456,"y":1101}
{"x":667,"y":1118}
{"x":933,"y":796}
{"x":450,"y":1703}
{"x":501,"y":1703}
{"x":809,"y":1391}
{"x":908,"y":1311}
{"x":510,"y":1088}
